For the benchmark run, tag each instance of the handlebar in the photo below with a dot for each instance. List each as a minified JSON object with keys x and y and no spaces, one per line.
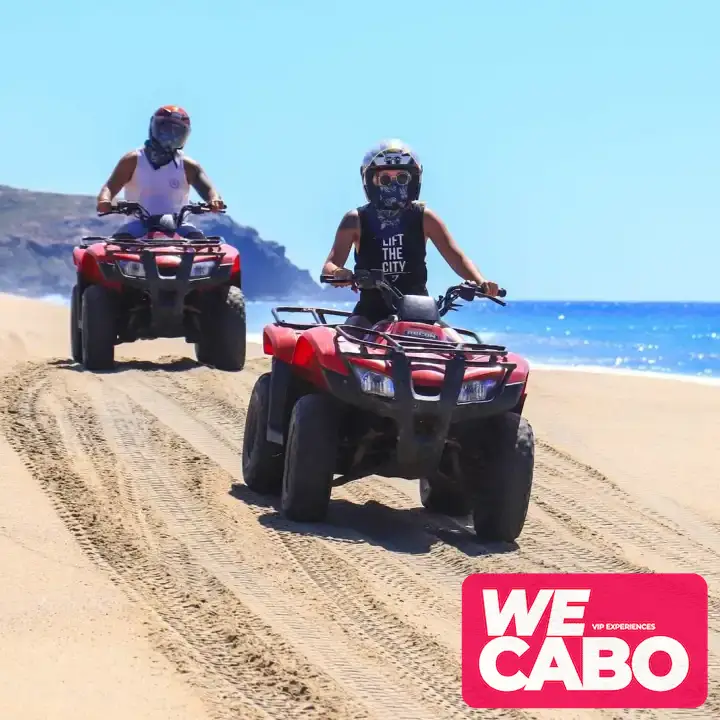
{"x":133,"y":208}
{"x":375,"y":279}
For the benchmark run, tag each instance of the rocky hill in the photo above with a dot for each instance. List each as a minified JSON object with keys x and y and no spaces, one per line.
{"x":39,"y":229}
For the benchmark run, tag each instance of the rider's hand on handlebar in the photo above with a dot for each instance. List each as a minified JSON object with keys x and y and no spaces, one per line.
{"x":217,"y":204}
{"x":344,"y":276}
{"x":489,"y":288}
{"x":104,"y":206}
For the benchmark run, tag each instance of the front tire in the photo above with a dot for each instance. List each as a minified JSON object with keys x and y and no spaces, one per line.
{"x":262,"y":460}
{"x":502,"y":505}
{"x":76,"y":350}
{"x":99,"y":328}
{"x":310,"y":459}
{"x":224,"y":331}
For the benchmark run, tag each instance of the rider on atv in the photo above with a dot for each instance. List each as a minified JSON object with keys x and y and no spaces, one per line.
{"x":390,"y":233}
{"x":159,"y":175}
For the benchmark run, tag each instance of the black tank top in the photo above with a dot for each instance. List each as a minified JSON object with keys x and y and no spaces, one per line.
{"x":398,"y":250}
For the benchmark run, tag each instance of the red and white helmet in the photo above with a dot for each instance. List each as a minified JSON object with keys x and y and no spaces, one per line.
{"x":170,"y":127}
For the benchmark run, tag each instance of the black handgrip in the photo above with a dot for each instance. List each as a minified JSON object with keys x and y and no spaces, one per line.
{"x":502,"y":292}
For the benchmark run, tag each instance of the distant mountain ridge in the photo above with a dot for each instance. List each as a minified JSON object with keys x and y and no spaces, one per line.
{"x":39,"y":229}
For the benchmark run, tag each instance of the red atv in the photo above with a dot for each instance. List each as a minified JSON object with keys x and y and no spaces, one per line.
{"x":409,"y":398}
{"x":159,"y":285}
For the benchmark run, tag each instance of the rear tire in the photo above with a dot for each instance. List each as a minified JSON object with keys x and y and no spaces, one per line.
{"x":99,"y":329}
{"x":502,"y":505}
{"x":262,"y":461}
{"x":224,"y":331}
{"x":76,"y":350}
{"x":310,"y":458}
{"x":443,"y":501}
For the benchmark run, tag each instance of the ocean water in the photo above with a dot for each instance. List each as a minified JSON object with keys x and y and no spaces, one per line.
{"x":672,"y":339}
{"x":662,"y":339}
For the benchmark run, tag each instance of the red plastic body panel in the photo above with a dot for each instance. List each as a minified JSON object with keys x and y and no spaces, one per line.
{"x":317,"y":345}
{"x":87,"y":260}
{"x":280,"y":342}
{"x":308,"y":351}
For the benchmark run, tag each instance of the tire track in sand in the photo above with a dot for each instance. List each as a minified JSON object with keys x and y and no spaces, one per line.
{"x":406,"y":653}
{"x":445,"y":560}
{"x":578,"y":521}
{"x":242,"y":666}
{"x":172,"y":404}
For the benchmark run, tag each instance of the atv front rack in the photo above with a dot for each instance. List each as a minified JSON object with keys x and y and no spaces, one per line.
{"x":317,"y":313}
{"x":413,"y":346}
{"x":135,"y":246}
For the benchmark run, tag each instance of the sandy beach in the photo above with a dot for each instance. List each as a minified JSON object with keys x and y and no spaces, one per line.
{"x":143,"y":581}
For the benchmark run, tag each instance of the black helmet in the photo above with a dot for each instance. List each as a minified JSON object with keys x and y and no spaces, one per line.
{"x":391,"y":155}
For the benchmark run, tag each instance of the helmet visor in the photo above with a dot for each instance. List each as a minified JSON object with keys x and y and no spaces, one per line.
{"x":170,"y":134}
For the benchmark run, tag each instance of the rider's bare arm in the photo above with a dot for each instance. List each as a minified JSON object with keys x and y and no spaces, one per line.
{"x":347,"y":235}
{"x":197,"y":177}
{"x":436,"y":230}
{"x":120,"y":177}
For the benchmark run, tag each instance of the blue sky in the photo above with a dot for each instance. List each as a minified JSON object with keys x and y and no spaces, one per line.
{"x":573,"y":148}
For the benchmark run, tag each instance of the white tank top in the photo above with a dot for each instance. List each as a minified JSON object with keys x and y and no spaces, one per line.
{"x":160,"y":191}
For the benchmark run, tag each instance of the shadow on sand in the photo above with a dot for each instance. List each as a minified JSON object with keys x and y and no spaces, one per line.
{"x":172,"y":364}
{"x":411,"y":531}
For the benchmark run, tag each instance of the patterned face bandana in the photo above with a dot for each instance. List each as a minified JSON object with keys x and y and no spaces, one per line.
{"x":158,"y":155}
{"x":390,"y":202}
{"x":392,"y":196}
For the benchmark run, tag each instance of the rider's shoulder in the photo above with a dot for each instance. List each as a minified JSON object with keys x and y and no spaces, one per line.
{"x":426,"y":211}
{"x":432,"y":222}
{"x":130,"y":158}
{"x":351,"y":219}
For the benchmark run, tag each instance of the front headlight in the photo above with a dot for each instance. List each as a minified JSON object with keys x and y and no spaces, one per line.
{"x":374,"y":383}
{"x":201,"y":269}
{"x":131,"y":268}
{"x":476,"y":390}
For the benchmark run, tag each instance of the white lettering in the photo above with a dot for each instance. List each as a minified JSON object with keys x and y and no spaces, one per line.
{"x":679,"y":663}
{"x":516,"y":606}
{"x":554,"y":662}
{"x":593,"y":663}
{"x":393,"y":258}
{"x":393,"y":266}
{"x":561,"y":612}
{"x":488,"y":664}
{"x":393,"y":240}
{"x":554,"y":650}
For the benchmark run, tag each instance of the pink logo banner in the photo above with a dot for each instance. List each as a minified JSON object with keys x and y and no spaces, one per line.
{"x":585,"y":641}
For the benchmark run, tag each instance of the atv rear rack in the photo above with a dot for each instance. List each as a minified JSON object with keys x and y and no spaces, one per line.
{"x":317,"y":313}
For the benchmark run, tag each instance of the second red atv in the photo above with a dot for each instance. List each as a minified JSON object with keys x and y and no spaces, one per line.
{"x":409,"y":398}
{"x":159,"y":285}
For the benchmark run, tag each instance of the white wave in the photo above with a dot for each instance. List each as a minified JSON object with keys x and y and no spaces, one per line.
{"x":627,"y":372}
{"x":55,"y":299}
